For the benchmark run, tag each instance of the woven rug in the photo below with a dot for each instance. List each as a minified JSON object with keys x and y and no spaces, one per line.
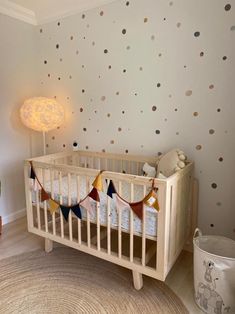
{"x":66,"y":281}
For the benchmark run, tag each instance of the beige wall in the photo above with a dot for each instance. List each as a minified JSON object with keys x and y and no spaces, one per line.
{"x":17,"y":82}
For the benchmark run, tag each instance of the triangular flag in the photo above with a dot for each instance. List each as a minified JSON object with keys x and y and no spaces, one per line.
{"x":44,"y":195}
{"x":86,"y":203}
{"x":53,"y":206}
{"x":32,"y":174}
{"x":137,"y":208}
{"x":121,"y":203}
{"x":77,"y":211}
{"x":111,"y":189}
{"x":98,"y":184}
{"x":94,"y":195}
{"x":151,"y":200}
{"x":65,"y":211}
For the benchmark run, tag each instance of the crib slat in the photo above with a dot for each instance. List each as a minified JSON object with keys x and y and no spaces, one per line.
{"x":131,"y":226}
{"x":143,"y":230}
{"x":120,"y":223}
{"x":38,"y":207}
{"x":61,"y":202}
{"x":78,"y":199}
{"x":45,"y":202}
{"x":108,"y":225}
{"x":98,"y":225}
{"x":88,"y":215}
{"x":69,"y":204}
{"x":52,"y":195}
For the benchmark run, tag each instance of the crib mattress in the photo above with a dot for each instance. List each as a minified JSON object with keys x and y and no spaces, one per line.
{"x":150,"y":213}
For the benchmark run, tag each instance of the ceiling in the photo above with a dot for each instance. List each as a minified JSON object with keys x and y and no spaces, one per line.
{"x":38,"y":12}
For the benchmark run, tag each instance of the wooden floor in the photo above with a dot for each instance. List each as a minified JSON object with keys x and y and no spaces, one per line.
{"x":16,"y":240}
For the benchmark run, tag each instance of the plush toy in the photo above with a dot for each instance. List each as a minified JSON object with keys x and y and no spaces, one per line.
{"x":171,"y":162}
{"x":149,"y":171}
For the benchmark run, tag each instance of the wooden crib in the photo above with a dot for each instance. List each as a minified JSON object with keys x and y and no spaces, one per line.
{"x":149,"y":246}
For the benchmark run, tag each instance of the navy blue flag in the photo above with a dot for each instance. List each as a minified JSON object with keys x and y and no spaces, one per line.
{"x":77,"y":211}
{"x":111,"y":189}
{"x":65,"y":211}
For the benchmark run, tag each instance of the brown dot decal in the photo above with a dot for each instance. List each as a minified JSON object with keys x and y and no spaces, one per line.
{"x":59,"y":78}
{"x":178,"y":24}
{"x":188,"y":93}
{"x":196,"y":34}
{"x":112,"y":142}
{"x":214,"y":185}
{"x":84,"y":129}
{"x":157,"y":131}
{"x":71,"y":37}
{"x":171,"y":3}
{"x":218,"y":110}
{"x":49,"y":75}
{"x":201,"y":54}
{"x":212,"y":225}
{"x":211,"y":86}
{"x":158,"y":84}
{"x":152,"y":37}
{"x":101,"y":13}
{"x":154,"y":108}
{"x":64,"y":145}
{"x":58,"y":23}
{"x":81,"y":109}
{"x":227,"y":7}
{"x":141,"y":69}
{"x":127,"y":3}
{"x":124,"y":31}
{"x":220,"y":159}
{"x":57,"y":46}
{"x":224,"y":58}
{"x":108,"y":115}
{"x":103,"y":150}
{"x":126,"y":151}
{"x":40,"y":30}
{"x":128,"y":47}
{"x":103,"y":98}
{"x":87,"y":147}
{"x":195,"y":114}
{"x":211,"y":131}
{"x":145,"y":20}
{"x":119,"y":129}
{"x":123,"y":111}
{"x":83,"y":91}
{"x":105,"y":50}
{"x":198,"y":147}
{"x":83,"y":16}
{"x":45,"y":61}
{"x":93,"y":43}
{"x":232,"y":28}
{"x":124,"y":71}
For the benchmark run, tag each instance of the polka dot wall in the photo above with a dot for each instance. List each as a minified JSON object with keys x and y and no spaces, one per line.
{"x":143,"y":77}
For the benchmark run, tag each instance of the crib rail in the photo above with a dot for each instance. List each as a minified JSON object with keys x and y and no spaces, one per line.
{"x":139,"y":251}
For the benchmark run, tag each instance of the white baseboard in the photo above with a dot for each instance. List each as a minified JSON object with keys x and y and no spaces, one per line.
{"x":13,"y":216}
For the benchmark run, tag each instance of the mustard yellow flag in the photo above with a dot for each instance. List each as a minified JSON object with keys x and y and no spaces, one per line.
{"x":98,"y":184}
{"x":151,"y":200}
{"x":53,"y":206}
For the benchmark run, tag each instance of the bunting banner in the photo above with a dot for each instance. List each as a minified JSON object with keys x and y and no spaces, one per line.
{"x":150,"y":199}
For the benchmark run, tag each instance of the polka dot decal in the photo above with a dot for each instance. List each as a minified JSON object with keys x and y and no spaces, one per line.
{"x":141,"y":77}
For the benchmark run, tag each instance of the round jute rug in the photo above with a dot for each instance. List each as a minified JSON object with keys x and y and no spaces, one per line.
{"x":66,"y":281}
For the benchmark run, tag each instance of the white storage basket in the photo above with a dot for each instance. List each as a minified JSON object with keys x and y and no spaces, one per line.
{"x":214,"y":273}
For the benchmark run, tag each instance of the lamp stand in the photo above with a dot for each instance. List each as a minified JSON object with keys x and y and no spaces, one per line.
{"x":44,"y":142}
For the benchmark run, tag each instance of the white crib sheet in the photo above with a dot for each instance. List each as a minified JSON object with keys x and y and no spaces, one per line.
{"x":150,"y":213}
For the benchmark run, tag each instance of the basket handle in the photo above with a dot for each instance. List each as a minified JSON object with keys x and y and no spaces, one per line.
{"x":197,"y":232}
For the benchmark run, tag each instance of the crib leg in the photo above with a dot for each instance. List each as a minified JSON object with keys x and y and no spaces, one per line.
{"x":48,"y":245}
{"x":137,"y":280}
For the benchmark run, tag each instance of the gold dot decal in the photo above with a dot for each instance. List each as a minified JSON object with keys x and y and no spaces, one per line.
{"x":188,"y":93}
